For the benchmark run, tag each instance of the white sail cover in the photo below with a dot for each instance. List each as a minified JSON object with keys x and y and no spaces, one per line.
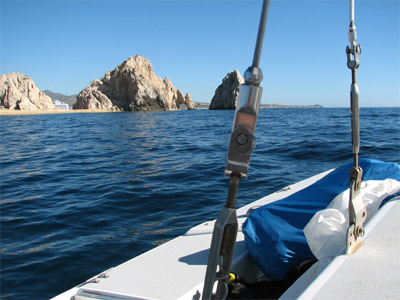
{"x":327,"y":229}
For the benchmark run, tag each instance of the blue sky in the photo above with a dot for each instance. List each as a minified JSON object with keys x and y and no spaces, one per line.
{"x":63,"y":45}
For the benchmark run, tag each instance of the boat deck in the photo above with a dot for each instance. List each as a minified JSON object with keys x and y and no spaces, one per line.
{"x":176,"y":269}
{"x":372,"y":272}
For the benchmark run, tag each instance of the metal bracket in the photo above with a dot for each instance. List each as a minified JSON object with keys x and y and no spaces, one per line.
{"x":357,"y":211}
{"x":242,"y":141}
{"x":222,"y":246}
{"x":354,"y":50}
{"x":221,"y":254}
{"x":353,"y":60}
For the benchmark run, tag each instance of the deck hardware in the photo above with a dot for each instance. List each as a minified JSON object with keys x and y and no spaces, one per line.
{"x":285,"y":189}
{"x":96,"y":279}
{"x":251,"y":209}
{"x":241,"y":145}
{"x":242,"y":139}
{"x":357,"y":209}
{"x":103,"y":275}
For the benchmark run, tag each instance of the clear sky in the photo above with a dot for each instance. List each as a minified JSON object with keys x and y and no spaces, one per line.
{"x":63,"y":45}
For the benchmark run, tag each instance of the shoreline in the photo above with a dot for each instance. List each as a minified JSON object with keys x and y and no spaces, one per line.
{"x":11,"y":112}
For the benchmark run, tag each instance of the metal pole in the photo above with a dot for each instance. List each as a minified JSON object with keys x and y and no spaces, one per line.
{"x":260,"y":35}
{"x":351,"y":14}
{"x":241,"y":145}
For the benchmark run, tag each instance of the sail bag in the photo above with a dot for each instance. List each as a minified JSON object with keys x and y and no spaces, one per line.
{"x":274,"y":233}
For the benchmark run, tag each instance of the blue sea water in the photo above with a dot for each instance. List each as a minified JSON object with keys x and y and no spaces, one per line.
{"x":81,"y":193}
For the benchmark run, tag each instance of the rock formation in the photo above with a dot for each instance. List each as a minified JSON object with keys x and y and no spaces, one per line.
{"x":188,"y":101}
{"x":132,"y":86}
{"x":17,"y":91}
{"x":227,"y":94}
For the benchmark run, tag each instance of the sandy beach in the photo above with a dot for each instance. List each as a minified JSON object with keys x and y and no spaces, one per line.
{"x":11,"y":112}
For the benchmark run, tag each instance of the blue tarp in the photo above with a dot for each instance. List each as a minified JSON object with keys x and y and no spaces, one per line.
{"x":274,"y":233}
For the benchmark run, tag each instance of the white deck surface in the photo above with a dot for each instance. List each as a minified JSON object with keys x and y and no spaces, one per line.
{"x":373,"y":272}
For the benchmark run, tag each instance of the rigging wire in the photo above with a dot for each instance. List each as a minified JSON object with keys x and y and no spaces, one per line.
{"x":260,"y":35}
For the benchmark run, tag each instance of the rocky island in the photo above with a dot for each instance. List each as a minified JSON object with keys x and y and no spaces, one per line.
{"x":132,"y":86}
{"x":19,"y":92}
{"x":227,"y":93}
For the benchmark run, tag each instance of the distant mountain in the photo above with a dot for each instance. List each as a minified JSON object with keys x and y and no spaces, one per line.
{"x":70,"y":100}
{"x":205,"y":105}
{"x":289,"y":106}
{"x":201,"y":105}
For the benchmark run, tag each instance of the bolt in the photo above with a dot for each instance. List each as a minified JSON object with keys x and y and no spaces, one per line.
{"x":359,"y":231}
{"x":242,"y":139}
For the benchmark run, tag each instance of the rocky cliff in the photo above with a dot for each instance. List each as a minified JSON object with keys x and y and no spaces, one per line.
{"x":18,"y":91}
{"x":132,"y":86}
{"x":227,"y":94}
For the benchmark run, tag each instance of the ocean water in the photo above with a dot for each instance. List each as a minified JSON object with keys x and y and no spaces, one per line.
{"x":81,"y":193}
